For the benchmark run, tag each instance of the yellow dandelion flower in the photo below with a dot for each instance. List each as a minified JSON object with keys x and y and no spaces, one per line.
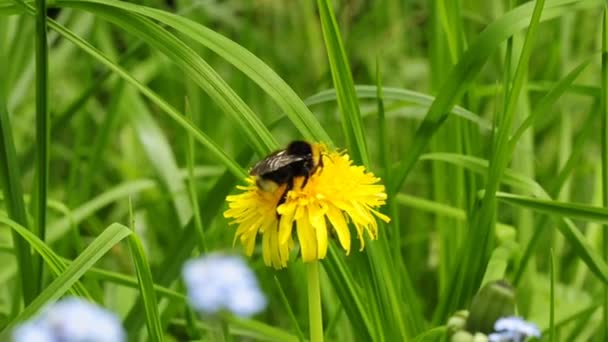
{"x":336,"y":194}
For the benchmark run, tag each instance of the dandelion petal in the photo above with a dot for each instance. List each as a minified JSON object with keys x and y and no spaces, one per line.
{"x":307,"y":238}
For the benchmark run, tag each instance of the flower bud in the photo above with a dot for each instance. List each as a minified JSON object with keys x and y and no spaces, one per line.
{"x":495,"y":300}
{"x":465,"y":336}
{"x":458,"y":321}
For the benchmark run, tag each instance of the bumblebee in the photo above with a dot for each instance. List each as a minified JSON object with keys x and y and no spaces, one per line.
{"x":299,"y":159}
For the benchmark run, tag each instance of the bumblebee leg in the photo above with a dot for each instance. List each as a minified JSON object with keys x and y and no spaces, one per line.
{"x":284,"y":195}
{"x":305,"y":181}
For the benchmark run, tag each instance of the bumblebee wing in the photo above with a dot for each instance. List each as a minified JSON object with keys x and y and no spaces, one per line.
{"x":274,"y":162}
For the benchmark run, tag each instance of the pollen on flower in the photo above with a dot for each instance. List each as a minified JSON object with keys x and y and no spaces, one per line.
{"x":337,"y":195}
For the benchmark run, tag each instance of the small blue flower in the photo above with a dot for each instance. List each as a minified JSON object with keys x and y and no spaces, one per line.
{"x":73,"y":320}
{"x":218,"y":282}
{"x":513,"y":329}
{"x":33,"y":331}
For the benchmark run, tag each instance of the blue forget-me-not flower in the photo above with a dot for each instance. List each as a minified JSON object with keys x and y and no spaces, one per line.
{"x":513,"y":329}
{"x":222,"y":282}
{"x":71,"y":320}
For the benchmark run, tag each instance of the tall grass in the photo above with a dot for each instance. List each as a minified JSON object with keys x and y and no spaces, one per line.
{"x":485,"y":120}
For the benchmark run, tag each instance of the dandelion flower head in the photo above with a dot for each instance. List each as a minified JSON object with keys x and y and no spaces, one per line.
{"x":336,"y":194}
{"x":72,"y":319}
{"x":222,"y":282}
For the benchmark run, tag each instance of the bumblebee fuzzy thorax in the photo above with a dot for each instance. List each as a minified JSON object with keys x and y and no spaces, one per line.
{"x":280,"y":170}
{"x":298,"y":159}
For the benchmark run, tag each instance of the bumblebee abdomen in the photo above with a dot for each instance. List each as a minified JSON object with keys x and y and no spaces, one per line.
{"x":280,"y":175}
{"x":266,"y":185}
{"x":299,"y":159}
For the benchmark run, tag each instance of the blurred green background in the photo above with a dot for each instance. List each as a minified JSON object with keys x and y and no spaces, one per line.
{"x":134,"y":91}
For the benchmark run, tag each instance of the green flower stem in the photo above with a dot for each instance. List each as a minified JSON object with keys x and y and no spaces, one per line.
{"x":225,"y":330}
{"x":314,"y":302}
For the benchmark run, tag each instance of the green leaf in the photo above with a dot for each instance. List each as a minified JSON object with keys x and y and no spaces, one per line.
{"x":604,"y":149}
{"x":57,"y":288}
{"x":568,"y":229}
{"x":58,"y":228}
{"x":42,"y":135}
{"x":433,"y":334}
{"x":129,"y":281}
{"x":146,"y":288}
{"x":543,"y":107}
{"x":562,"y":209}
{"x":467,"y":68}
{"x":11,"y":188}
{"x":241,"y":58}
{"x":213,"y":148}
{"x":480,"y":166}
{"x":347,"y":289}
{"x":343,"y":83}
{"x":184,"y":243}
{"x":289,"y":310}
{"x":398,"y":94}
{"x":158,"y":152}
{"x":196,"y":68}
{"x":54,"y":262}
{"x":574,"y":237}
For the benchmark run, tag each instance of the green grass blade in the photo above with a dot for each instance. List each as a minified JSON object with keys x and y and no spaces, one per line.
{"x":480,"y":166}
{"x":101,"y":143}
{"x":578,"y":150}
{"x":190,"y":158}
{"x":466,"y":278}
{"x":11,"y":188}
{"x":195,"y":67}
{"x":468,"y":67}
{"x":398,"y":94}
{"x":201,"y":137}
{"x":240,"y":57}
{"x":433,"y":334}
{"x":158,"y":152}
{"x":129,"y":281}
{"x":564,"y":209}
{"x":398,"y":286}
{"x":54,"y":262}
{"x":604,"y":149}
{"x":547,"y":101}
{"x":60,"y":227}
{"x":292,"y":316}
{"x":347,"y":289}
{"x":437,"y":208}
{"x":555,"y":188}
{"x":184,"y":244}
{"x":398,"y":297}
{"x":97,"y":249}
{"x":42,"y":134}
{"x":498,"y":263}
{"x":568,"y":229}
{"x":481,"y":234}
{"x":552,"y":298}
{"x":343,"y":83}
{"x":258,"y":330}
{"x":581,"y":247}
{"x":146,"y":287}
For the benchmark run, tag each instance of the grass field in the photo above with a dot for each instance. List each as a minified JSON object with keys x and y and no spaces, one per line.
{"x":125,"y":125}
